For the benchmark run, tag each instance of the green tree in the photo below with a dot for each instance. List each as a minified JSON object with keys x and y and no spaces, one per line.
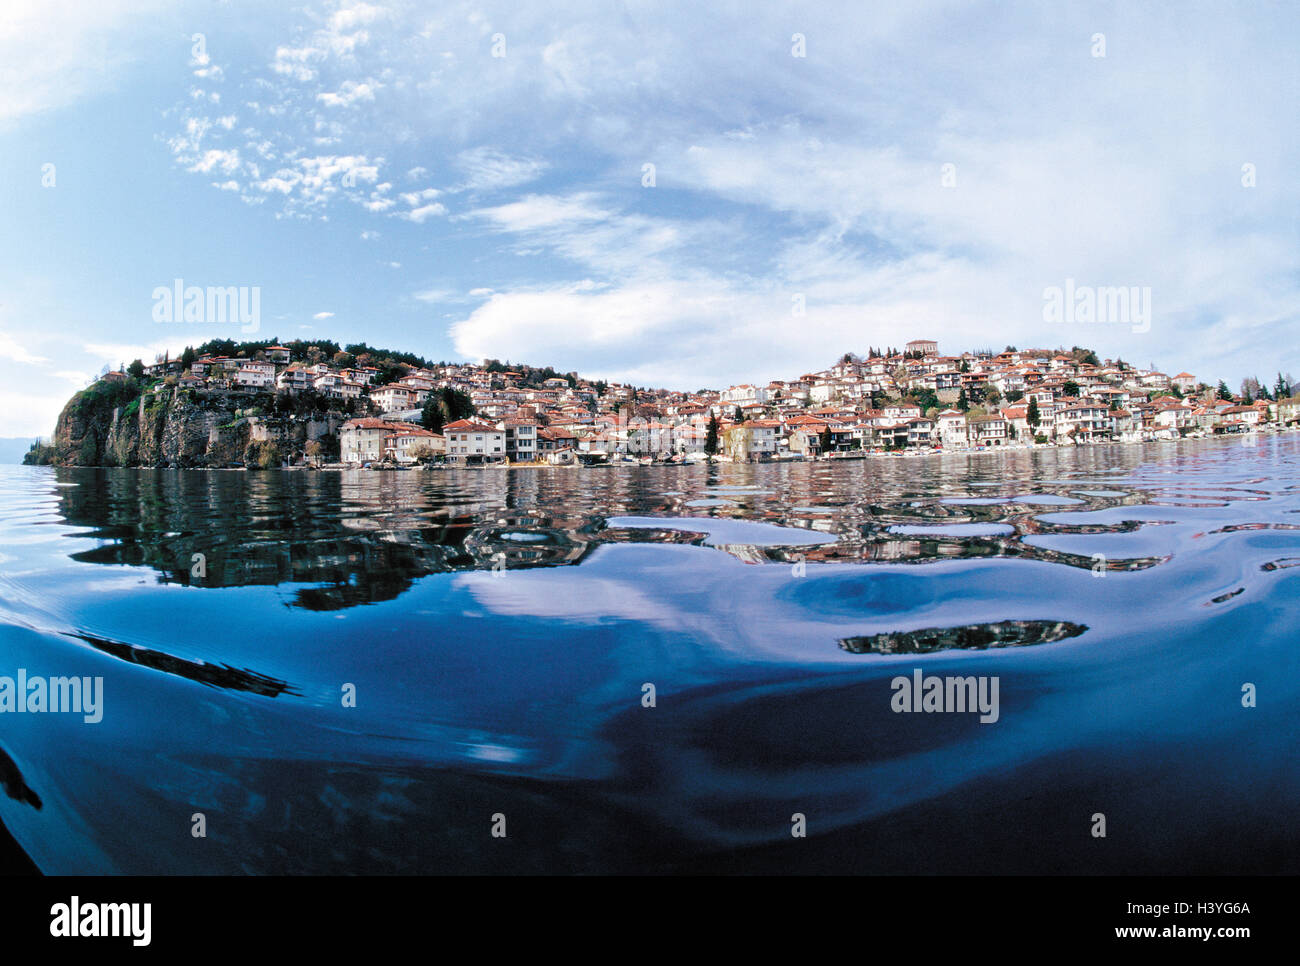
{"x":40,"y":454}
{"x":457,"y":404}
{"x":389,"y":371}
{"x":432,"y":417}
{"x":1032,"y":416}
{"x":826,"y":440}
{"x":135,"y":370}
{"x":1223,"y":391}
{"x":962,"y":402}
{"x":711,"y":437}
{"x":188,"y":357}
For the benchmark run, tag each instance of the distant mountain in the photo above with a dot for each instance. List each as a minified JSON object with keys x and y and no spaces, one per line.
{"x":12,"y":448}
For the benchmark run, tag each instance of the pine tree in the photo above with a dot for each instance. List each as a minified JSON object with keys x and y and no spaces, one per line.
{"x":432,"y":417}
{"x":711,"y":436}
{"x":1032,"y":416}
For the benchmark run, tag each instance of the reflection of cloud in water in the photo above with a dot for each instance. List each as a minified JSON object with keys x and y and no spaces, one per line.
{"x":726,"y":531}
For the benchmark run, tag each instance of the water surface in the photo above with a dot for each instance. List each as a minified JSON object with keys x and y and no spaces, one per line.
{"x":500,"y":628}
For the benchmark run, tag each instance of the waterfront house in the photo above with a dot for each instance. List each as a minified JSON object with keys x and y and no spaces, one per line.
{"x":363,"y":440}
{"x":521,"y":439}
{"x":988,"y":430}
{"x":471,"y":441}
{"x":409,"y":445}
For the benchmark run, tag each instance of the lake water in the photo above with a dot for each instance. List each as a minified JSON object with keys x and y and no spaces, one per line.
{"x":659,"y":668}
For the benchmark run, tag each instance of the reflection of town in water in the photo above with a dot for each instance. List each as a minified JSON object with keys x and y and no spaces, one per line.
{"x":358,"y":537}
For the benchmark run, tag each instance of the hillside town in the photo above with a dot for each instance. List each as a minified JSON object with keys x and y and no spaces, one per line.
{"x":890,"y":401}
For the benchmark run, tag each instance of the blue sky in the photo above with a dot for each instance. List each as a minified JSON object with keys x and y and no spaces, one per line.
{"x":380,"y":175}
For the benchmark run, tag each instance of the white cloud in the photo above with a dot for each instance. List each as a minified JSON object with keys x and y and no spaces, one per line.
{"x":544,"y":211}
{"x":349,"y":93}
{"x":323,"y":315}
{"x":488,"y":169}
{"x":413,"y":198}
{"x":434,"y":295}
{"x":55,"y":52}
{"x":11,"y":348}
{"x":227,"y":161}
{"x":424,"y":213}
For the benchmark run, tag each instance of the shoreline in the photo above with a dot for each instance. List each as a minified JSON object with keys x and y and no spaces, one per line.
{"x":845,"y":457}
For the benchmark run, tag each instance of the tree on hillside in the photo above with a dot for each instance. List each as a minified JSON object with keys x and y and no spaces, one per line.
{"x":925,"y":398}
{"x":1032,"y":416}
{"x":457,"y":404}
{"x":1223,"y":391}
{"x":826,"y":440}
{"x":188,"y":357}
{"x":1071,"y":388}
{"x":962,"y":402}
{"x":432,"y":416}
{"x":390,"y":371}
{"x":1281,"y":388}
{"x":136,"y":369}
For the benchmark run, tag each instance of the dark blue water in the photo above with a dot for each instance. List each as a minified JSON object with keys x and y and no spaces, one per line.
{"x":499,"y":629}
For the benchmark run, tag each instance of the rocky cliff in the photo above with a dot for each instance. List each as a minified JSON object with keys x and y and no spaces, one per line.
{"x":101,"y":426}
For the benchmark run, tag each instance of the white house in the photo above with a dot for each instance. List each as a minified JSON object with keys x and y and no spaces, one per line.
{"x":363,"y":440}
{"x":468,"y":440}
{"x":406,"y":446}
{"x":254,"y":375}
